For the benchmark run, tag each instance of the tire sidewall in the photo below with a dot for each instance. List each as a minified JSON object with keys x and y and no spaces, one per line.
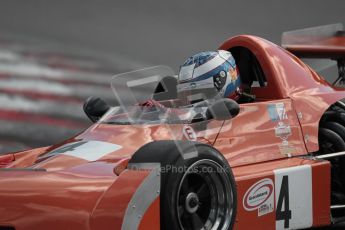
{"x":171,"y":181}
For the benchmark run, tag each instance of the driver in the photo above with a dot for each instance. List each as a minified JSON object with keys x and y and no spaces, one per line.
{"x":207,"y":76}
{"x":204,"y":77}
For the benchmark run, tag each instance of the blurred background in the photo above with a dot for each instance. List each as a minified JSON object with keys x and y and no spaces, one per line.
{"x":54,"y":54}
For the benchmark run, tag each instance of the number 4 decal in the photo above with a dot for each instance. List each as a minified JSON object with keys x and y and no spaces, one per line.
{"x":293,"y":197}
{"x":284,"y":198}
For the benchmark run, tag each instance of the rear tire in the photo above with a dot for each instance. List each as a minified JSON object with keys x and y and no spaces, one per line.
{"x":331,"y":140}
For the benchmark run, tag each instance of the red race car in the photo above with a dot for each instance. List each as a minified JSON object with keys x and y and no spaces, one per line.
{"x":273,"y":162}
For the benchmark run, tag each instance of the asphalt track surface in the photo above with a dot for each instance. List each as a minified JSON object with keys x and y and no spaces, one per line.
{"x":54,"y":54}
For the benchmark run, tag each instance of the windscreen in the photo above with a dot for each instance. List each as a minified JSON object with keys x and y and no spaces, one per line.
{"x":135,"y":90}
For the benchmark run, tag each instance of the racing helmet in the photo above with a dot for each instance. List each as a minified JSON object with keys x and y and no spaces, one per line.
{"x":209,"y":75}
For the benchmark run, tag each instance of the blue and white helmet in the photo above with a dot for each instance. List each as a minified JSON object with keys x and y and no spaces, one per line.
{"x":209,"y":74}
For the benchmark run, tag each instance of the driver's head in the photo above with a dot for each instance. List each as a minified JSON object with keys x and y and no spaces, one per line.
{"x":208,"y":75}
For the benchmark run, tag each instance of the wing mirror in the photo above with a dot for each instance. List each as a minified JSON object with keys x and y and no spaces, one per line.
{"x":95,"y":108}
{"x":223,"y":109}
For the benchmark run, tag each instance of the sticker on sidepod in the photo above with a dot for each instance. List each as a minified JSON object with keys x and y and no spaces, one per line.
{"x":277,"y":111}
{"x":260,"y":197}
{"x":189,"y":133}
{"x":87,"y":150}
{"x":287,"y":149}
{"x":283,"y":131}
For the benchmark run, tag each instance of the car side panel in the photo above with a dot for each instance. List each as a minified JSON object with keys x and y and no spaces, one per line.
{"x":265,"y":189}
{"x":151,"y":219}
{"x":312,"y":104}
{"x":261,"y":132}
{"x":36,"y":199}
{"x":131,"y":202}
{"x":288,"y":77}
{"x":321,"y":189}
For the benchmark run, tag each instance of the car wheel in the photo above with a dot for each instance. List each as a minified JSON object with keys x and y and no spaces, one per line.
{"x":203,"y":196}
{"x":198,"y":189}
{"x":331,"y":140}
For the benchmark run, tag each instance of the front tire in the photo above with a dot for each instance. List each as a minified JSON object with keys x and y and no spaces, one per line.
{"x":198,"y":189}
{"x":203,"y":195}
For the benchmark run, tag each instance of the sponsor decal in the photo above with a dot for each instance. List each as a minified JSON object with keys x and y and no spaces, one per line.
{"x":287,"y":149}
{"x":264,"y":209}
{"x":222,"y":73}
{"x":260,"y":197}
{"x":249,"y":109}
{"x":189,"y":133}
{"x":277,"y":111}
{"x":293,"y":208}
{"x":233,"y":74}
{"x":283,"y":131}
